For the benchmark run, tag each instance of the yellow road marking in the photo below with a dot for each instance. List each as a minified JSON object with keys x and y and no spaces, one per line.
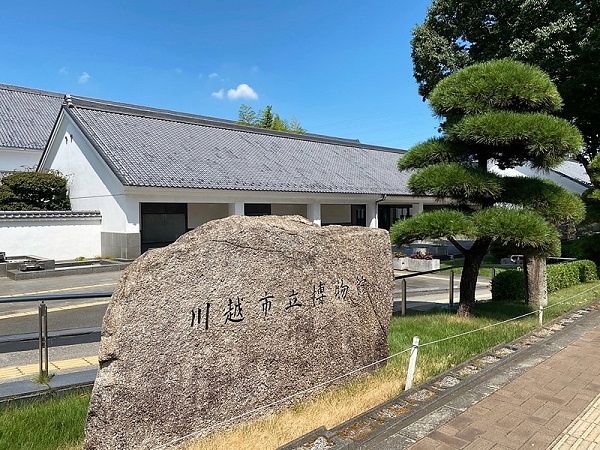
{"x":60,"y":308}
{"x":29,"y":369}
{"x":63,"y":289}
{"x":80,"y":305}
{"x":9,"y":373}
{"x":70,"y":364}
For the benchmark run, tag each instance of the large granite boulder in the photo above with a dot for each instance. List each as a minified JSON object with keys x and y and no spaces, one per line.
{"x":236,"y":314}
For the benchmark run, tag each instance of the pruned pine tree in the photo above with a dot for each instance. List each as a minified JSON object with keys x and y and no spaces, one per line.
{"x":498,"y":111}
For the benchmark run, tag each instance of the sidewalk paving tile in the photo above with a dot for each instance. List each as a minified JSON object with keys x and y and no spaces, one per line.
{"x":555,"y":401}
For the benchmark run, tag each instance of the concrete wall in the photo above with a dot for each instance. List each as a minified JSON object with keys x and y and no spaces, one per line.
{"x":200,"y":213}
{"x":336,"y":214}
{"x":52,"y":237}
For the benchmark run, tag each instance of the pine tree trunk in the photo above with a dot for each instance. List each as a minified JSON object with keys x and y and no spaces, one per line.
{"x":536,"y":286}
{"x":468,"y":280}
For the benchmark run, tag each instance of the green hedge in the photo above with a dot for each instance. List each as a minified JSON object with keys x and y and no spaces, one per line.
{"x":585,"y":247}
{"x":510,"y":284}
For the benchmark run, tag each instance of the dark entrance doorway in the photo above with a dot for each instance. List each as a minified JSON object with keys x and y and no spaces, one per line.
{"x":389,"y":214}
{"x":162,"y":223}
{"x":257,"y":209}
{"x":359,"y":215}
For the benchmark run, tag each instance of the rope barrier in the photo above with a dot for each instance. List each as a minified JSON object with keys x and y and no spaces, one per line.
{"x":476,"y":330}
{"x":572,"y":297}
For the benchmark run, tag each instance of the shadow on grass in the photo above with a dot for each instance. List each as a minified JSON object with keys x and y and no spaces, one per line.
{"x":501,"y":310}
{"x":497,"y":311}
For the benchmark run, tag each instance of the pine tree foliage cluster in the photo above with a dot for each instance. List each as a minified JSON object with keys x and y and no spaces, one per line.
{"x":494,"y":112}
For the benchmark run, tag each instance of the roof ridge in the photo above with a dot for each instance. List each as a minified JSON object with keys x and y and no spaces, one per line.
{"x":196,"y":119}
{"x":10,"y":87}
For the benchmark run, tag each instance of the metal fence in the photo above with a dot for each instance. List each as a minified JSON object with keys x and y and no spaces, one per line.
{"x":43,"y":337}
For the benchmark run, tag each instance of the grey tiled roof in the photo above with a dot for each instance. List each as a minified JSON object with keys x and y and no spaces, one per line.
{"x":574,"y":171}
{"x":164,"y":149}
{"x":28,"y":116}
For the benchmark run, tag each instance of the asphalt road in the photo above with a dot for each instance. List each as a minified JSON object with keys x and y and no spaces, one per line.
{"x":58,"y":319}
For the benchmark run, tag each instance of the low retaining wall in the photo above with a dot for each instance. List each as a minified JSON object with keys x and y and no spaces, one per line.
{"x":52,"y":234}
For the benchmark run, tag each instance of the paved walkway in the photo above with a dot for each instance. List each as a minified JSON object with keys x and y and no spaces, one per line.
{"x":554,"y":404}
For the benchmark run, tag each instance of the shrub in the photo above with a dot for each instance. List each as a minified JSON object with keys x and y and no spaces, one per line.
{"x":27,"y":191}
{"x":562,"y":275}
{"x":510,"y":284}
{"x":588,"y":271}
{"x":568,"y":274}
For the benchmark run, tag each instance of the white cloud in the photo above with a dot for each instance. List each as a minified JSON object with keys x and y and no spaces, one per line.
{"x":213,"y":75}
{"x":63,"y":71}
{"x":243,"y":91}
{"x":178,"y":70}
{"x":83,"y":78}
{"x":254,"y":69}
{"x":219,"y":94}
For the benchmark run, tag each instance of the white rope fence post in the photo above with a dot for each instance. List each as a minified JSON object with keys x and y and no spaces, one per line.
{"x":412,"y":362}
{"x":541,"y":315}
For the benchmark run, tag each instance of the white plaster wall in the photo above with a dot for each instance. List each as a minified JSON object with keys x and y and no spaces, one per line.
{"x":336,"y":214}
{"x":288,"y":210}
{"x":54,"y":239}
{"x":92,"y":185}
{"x":18,"y":160}
{"x":200,"y":213}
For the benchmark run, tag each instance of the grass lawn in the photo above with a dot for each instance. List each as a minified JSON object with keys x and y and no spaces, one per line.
{"x":51,"y":424}
{"x":59,"y":423}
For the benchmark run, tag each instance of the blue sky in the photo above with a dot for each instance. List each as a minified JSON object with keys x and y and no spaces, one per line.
{"x":341,"y":67}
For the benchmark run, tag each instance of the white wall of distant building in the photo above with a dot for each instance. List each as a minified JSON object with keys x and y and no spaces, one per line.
{"x":51,"y":235}
{"x":12,"y":159}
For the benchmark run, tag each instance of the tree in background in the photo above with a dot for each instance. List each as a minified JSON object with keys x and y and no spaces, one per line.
{"x":266,"y":119}
{"x":500,"y":111}
{"x":562,"y":37}
{"x":34,"y":191}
